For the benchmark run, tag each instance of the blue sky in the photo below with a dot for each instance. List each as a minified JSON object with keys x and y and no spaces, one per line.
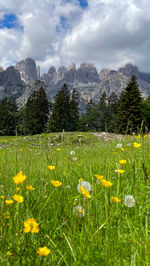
{"x":106,"y":33}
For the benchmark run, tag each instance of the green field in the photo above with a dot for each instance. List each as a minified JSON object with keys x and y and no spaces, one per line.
{"x":77,"y":227}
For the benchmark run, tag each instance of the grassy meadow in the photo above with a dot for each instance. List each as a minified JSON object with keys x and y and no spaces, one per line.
{"x":71,"y":226}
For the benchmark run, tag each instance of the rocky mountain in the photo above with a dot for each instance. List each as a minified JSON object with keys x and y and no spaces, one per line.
{"x":20,"y":80}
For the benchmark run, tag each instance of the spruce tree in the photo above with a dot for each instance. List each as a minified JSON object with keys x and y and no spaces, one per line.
{"x":74,"y":111}
{"x":129,"y":113}
{"x":37,"y":112}
{"x":8,"y":117}
{"x":60,"y":117}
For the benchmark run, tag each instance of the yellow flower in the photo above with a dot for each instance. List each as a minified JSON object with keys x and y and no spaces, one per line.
{"x":58,"y":149}
{"x":99,"y":177}
{"x":2,"y":197}
{"x":31,"y":225}
{"x":80,"y":211}
{"x":106,"y":183}
{"x":56,"y":183}
{"x":19,"y":178}
{"x":43,"y":251}
{"x":145,"y":136}
{"x":115,"y":199}
{"x":9,"y":202}
{"x":51,"y":167}
{"x":122,"y":161}
{"x":21,"y":149}
{"x":139,"y":136}
{"x":18,"y":198}
{"x":29,"y":187}
{"x":80,"y":180}
{"x":120,"y":171}
{"x":122,"y":149}
{"x":85,"y":193}
{"x":18,"y":188}
{"x":136,"y":145}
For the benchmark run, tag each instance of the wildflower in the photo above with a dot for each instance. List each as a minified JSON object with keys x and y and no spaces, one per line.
{"x":2,"y":197}
{"x":119,"y":145}
{"x":80,"y":180}
{"x":85,"y":193}
{"x":56,"y":183}
{"x":67,"y":187}
{"x":99,"y":177}
{"x":75,"y":202}
{"x":79,"y":211}
{"x":115,"y":199}
{"x":136,"y":145}
{"x":18,"y":198}
{"x":106,"y":183}
{"x":31,"y":225}
{"x":139,"y":136}
{"x":19,"y":178}
{"x":9,"y":202}
{"x":145,"y":136}
{"x":21,"y":149}
{"x":122,"y":149}
{"x":51,"y":167}
{"x":120,"y":171}
{"x":58,"y":149}
{"x":122,"y":161}
{"x":84,"y":184}
{"x":72,"y":152}
{"x":18,"y":188}
{"x":129,"y":201}
{"x":29,"y":187}
{"x":74,"y":158}
{"x":43,"y":251}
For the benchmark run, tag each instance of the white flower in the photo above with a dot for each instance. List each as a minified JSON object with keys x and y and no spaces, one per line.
{"x":79,"y":211}
{"x":119,"y":145}
{"x":86,"y":185}
{"x":72,"y":152}
{"x":74,"y":158}
{"x":67,"y":187}
{"x":129,"y":144}
{"x":129,"y":201}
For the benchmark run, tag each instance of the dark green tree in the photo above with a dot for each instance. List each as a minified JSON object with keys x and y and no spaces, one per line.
{"x":74,"y":111}
{"x":146,"y":113}
{"x":129,"y":112}
{"x":60,"y":117}
{"x":37,"y":112}
{"x":112,"y":111}
{"x":8,"y":117}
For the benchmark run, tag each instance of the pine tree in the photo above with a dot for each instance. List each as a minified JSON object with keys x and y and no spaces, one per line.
{"x":37,"y":112}
{"x":129,"y":113}
{"x":60,"y":117}
{"x":112,"y":111}
{"x":8,"y":117}
{"x":74,"y":111}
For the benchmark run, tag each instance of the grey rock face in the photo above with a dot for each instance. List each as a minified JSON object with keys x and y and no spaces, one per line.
{"x":38,"y":72}
{"x":1,"y":69}
{"x":27,"y":69}
{"x":30,"y":87}
{"x":87,"y":73}
{"x":11,"y":85}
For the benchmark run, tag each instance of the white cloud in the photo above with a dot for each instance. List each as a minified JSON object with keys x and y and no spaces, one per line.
{"x":108,"y":33}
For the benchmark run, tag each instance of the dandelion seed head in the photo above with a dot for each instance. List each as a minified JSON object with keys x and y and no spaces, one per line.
{"x":79,"y":211}
{"x":129,"y":201}
{"x":84,"y":184}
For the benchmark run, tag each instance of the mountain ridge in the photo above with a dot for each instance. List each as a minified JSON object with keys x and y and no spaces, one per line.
{"x":20,"y":80}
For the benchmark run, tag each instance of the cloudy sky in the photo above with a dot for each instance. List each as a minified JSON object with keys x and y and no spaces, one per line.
{"x":107,"y":33}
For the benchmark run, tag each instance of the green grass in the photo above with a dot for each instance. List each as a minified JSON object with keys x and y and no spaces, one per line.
{"x":109,"y":233}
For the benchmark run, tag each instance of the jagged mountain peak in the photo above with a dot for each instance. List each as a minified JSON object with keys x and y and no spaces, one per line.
{"x":129,"y":70}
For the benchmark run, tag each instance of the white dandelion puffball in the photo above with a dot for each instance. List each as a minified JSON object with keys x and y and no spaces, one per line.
{"x":129,"y":201}
{"x":74,"y":158}
{"x":79,"y":211}
{"x":86,"y":185}
{"x":72,"y":152}
{"x":119,"y":145}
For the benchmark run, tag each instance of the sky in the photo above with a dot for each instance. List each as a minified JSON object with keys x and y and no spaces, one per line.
{"x":106,"y":33}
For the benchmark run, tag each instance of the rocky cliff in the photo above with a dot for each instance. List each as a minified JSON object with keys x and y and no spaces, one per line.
{"x":19,"y":81}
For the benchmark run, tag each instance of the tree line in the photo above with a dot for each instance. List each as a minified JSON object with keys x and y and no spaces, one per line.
{"x":130,"y":113}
